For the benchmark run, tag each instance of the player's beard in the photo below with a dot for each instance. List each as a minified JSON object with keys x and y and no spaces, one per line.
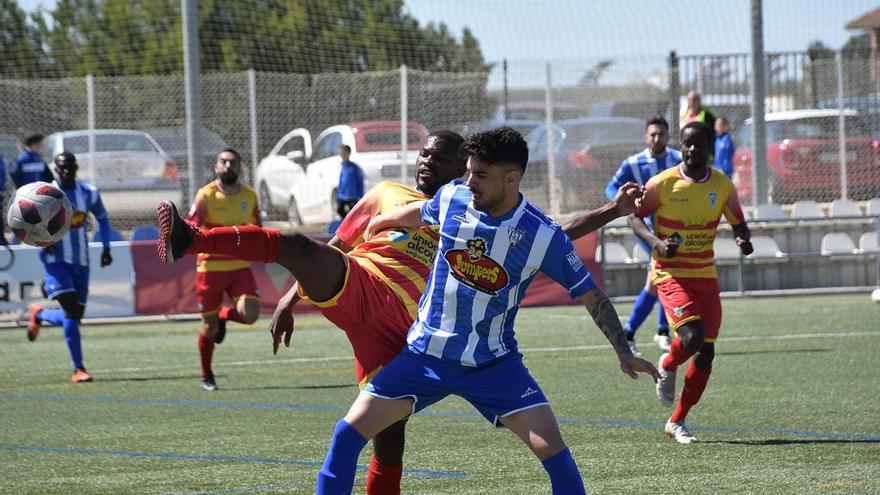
{"x":228,"y":178}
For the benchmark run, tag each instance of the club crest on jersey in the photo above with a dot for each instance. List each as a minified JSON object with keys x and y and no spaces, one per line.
{"x":713,"y":198}
{"x":78,"y":219}
{"x":244,"y":206}
{"x":515,"y":235}
{"x":473,"y":268}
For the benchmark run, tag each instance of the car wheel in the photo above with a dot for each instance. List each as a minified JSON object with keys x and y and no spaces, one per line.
{"x":293,"y":216}
{"x":267,"y":211}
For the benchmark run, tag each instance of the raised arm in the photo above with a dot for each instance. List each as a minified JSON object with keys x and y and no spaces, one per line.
{"x":608,"y":321}
{"x":624,"y":202}
{"x":409,"y":216}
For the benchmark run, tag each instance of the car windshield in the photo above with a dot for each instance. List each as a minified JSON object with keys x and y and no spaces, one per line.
{"x":538,"y":114}
{"x":814,"y":128}
{"x":604,"y":133}
{"x":381,"y":140}
{"x":133,"y":143}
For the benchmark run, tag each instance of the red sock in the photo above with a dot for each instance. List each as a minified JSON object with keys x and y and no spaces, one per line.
{"x":230,"y":314}
{"x":383,"y":479}
{"x":695,"y":381}
{"x":245,"y":242}
{"x":206,"y":351}
{"x":677,"y":356}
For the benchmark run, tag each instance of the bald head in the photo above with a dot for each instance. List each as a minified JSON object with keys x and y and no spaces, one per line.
{"x":694,"y":101}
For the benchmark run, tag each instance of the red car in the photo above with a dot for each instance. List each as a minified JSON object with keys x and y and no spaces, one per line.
{"x":804,"y":160}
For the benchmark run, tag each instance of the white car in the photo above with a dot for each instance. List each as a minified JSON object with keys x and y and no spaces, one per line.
{"x":300,"y":177}
{"x":129,"y":168}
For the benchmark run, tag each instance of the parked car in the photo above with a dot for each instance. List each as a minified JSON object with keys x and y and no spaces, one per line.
{"x":587,"y":153}
{"x":300,"y":177}
{"x":132,"y":172}
{"x":524,"y":116}
{"x":173,"y":141}
{"x":803,"y":156}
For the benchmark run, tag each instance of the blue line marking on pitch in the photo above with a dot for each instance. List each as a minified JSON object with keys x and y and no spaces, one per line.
{"x":564,"y":421}
{"x":236,"y":491}
{"x":428,"y":473}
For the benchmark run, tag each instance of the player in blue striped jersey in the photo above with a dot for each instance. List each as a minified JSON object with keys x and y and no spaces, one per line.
{"x":67,"y":263}
{"x":638,"y":168}
{"x":493,"y":242}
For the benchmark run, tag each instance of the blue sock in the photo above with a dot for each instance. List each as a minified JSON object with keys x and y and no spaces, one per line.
{"x":642,"y":308}
{"x":337,"y":475}
{"x":52,"y":316}
{"x":71,"y":335}
{"x":662,"y":324}
{"x":564,"y":475}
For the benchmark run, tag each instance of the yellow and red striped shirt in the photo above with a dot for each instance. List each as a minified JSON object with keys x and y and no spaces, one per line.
{"x":691,"y":209}
{"x":213,"y":208}
{"x":402,"y":258}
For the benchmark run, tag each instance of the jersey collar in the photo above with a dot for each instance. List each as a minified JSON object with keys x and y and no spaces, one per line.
{"x":687,"y":178}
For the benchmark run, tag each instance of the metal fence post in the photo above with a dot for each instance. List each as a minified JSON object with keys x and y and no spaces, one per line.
{"x":552,"y":179}
{"x":404,"y":127}
{"x":759,"y":129}
{"x":841,"y":126}
{"x":252,"y":101}
{"x":192,"y":78}
{"x":90,"y":105}
{"x":674,"y":92}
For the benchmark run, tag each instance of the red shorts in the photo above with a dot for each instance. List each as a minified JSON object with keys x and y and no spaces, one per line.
{"x":372,"y":316}
{"x":688,"y":299}
{"x":210,"y":287}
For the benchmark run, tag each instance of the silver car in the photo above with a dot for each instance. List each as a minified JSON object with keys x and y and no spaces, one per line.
{"x":129,"y":168}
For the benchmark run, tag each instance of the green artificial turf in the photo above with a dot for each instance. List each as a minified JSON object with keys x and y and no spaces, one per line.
{"x":792,"y":407}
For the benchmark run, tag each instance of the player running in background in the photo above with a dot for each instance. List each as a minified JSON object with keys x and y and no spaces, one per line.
{"x":349,"y":282}
{"x":29,"y":165}
{"x":688,"y":201}
{"x":638,"y":168}
{"x":223,"y":202}
{"x":67,"y":264}
{"x":492,"y":244}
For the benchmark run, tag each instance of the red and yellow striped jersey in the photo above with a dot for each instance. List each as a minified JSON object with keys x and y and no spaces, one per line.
{"x":690,"y":210}
{"x":400,"y":257}
{"x":213,"y":208}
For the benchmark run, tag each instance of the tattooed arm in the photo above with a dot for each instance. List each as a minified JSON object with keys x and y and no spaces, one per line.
{"x":606,"y":319}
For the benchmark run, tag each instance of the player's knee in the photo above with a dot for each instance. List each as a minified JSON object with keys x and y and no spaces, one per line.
{"x":389,"y":443}
{"x":691,"y":337}
{"x":704,"y":358}
{"x":209,"y":328}
{"x":295,"y":242}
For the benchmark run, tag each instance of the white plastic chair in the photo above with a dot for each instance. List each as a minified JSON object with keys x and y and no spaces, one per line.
{"x":766,"y":247}
{"x":639,"y":255}
{"x":868,"y":243}
{"x":873,"y":208}
{"x":845,"y":208}
{"x":835,"y":243}
{"x":726,"y":249}
{"x":770,"y":211}
{"x":615,"y":253}
{"x":806,"y":209}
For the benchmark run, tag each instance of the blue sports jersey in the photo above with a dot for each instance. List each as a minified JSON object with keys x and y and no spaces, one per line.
{"x":29,"y":167}
{"x":73,"y":248}
{"x":480,"y":275}
{"x":641,"y":167}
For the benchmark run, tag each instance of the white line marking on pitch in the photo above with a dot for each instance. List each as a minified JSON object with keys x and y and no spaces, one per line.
{"x":796,"y":336}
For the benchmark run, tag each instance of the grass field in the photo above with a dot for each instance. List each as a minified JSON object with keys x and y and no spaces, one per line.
{"x":793,"y":407}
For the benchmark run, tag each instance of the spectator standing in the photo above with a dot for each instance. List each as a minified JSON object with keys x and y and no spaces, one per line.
{"x":724,"y":147}
{"x":351,"y":183}
{"x":30,"y":166}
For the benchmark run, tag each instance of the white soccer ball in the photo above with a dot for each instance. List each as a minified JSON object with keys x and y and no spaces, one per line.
{"x":875,"y":296}
{"x":39,"y":214}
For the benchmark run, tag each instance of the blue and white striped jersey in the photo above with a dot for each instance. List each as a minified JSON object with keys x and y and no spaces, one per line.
{"x":73,"y":248}
{"x":480,"y":274}
{"x":639,"y":168}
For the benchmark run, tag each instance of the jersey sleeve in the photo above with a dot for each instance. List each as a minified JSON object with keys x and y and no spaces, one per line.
{"x":431,"y":208}
{"x":732,"y":209}
{"x":351,"y":230}
{"x":257,"y":217}
{"x":563,"y":264}
{"x":621,"y":177}
{"x":650,"y":199}
{"x":198,"y":212}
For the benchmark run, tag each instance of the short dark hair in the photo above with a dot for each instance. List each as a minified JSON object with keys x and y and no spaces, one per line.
{"x":65,"y":159}
{"x":345,"y":147}
{"x":659,"y":121}
{"x":701,"y":128}
{"x":503,"y":145}
{"x":33,"y":139}
{"x":230,"y":150}
{"x":451,"y":137}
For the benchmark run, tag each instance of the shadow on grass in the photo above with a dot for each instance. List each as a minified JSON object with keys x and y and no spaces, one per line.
{"x":789,"y":441}
{"x":777,"y":351}
{"x":147,"y":378}
{"x":294,"y":387}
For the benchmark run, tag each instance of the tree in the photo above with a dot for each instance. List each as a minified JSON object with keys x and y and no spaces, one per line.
{"x":19,"y":43}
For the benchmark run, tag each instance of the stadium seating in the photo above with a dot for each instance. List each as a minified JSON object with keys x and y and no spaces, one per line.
{"x":766,"y":247}
{"x":806,"y":209}
{"x":868,"y":243}
{"x":845,"y":208}
{"x":837,"y":243}
{"x":639,"y":254}
{"x":770,"y":211}
{"x":144,"y":233}
{"x":614,"y":252}
{"x":873,"y":208}
{"x":726,"y":250}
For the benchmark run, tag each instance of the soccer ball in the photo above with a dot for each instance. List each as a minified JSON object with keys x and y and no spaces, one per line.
{"x":875,"y":296}
{"x":39,"y":214}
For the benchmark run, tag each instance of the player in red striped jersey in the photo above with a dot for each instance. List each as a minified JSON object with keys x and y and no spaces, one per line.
{"x":688,"y":201}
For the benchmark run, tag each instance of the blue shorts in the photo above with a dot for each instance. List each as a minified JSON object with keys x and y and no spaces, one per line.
{"x":65,"y":277}
{"x":498,"y":389}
